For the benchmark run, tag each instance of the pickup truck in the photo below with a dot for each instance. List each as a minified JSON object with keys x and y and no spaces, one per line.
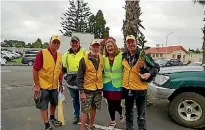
{"x":184,"y":87}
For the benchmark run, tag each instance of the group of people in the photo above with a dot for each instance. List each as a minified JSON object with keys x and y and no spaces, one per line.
{"x":114,"y":75}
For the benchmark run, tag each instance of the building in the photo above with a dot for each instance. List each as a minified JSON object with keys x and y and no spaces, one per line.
{"x":195,"y":57}
{"x":171,"y":52}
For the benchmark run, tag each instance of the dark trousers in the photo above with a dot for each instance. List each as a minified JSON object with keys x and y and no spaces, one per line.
{"x":113,"y":106}
{"x":74,"y":93}
{"x":139,"y":97}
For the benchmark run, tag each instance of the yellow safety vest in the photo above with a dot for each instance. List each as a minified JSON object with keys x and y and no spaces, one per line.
{"x":50,"y":72}
{"x":131,"y":78}
{"x":71,"y":61}
{"x":113,"y":74}
{"x":93,"y":78}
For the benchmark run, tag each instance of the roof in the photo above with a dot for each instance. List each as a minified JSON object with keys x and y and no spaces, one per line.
{"x":162,"y":50}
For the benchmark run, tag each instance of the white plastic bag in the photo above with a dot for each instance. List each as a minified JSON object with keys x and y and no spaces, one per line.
{"x":61,"y":96}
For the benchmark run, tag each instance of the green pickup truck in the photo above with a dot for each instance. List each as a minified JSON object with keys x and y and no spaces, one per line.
{"x":184,"y":87}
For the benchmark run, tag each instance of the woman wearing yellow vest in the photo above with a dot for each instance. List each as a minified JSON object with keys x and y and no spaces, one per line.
{"x":139,"y":69}
{"x":90,"y":84}
{"x":112,"y":80}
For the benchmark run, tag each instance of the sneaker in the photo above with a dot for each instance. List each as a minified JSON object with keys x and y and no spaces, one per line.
{"x":122,"y":118}
{"x":112,"y":125}
{"x":55,"y":122}
{"x":76,"y":120}
{"x":50,"y":128}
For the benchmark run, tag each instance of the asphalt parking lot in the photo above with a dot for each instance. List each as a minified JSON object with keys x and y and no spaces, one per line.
{"x":19,"y":113}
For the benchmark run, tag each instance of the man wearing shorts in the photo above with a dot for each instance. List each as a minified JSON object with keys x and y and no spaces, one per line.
{"x":47,"y":75}
{"x":90,"y":84}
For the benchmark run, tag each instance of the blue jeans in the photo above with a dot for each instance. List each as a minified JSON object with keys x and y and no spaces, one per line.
{"x":74,"y":93}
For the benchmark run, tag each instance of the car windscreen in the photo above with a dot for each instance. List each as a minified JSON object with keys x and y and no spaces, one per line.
{"x":195,"y":64}
{"x":31,"y":52}
{"x":30,"y":55}
{"x":161,"y":62}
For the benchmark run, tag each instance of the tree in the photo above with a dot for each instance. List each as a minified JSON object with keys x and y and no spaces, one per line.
{"x":91,"y":24}
{"x":97,"y":26}
{"x":37,"y":44}
{"x":28,"y":45}
{"x":18,"y":45}
{"x":132,"y":21}
{"x":75,"y":18}
{"x":45,"y":45}
{"x":202,"y":2}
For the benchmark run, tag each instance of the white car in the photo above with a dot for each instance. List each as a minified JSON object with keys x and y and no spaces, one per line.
{"x":8,"y":54}
{"x":3,"y":61}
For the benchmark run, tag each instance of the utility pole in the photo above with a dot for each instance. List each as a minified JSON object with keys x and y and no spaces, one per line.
{"x":166,"y":42}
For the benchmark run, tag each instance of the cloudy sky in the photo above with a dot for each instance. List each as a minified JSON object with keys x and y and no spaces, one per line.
{"x":28,"y":20}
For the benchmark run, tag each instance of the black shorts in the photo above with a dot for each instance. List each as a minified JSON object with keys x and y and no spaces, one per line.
{"x":47,"y":96}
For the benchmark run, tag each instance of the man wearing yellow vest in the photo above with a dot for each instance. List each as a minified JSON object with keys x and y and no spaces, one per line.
{"x":139,"y":69}
{"x":90,"y":84}
{"x":71,"y":61}
{"x":47,"y":76}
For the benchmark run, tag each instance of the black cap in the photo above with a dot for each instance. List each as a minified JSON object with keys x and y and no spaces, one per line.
{"x":75,"y":38}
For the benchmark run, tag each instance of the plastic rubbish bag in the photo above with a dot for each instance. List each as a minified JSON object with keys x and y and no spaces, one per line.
{"x":61,"y":96}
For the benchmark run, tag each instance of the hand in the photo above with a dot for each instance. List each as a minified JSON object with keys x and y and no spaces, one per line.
{"x":145,"y":75}
{"x":36,"y":90}
{"x":83,"y":97}
{"x":60,"y":88}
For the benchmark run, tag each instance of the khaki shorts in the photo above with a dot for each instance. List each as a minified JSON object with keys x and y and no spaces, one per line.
{"x":92,"y":99}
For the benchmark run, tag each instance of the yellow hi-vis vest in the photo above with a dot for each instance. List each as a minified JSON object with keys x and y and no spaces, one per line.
{"x":131,"y":78}
{"x":71,"y":61}
{"x":113,"y":74}
{"x":92,"y":77}
{"x":50,"y":72}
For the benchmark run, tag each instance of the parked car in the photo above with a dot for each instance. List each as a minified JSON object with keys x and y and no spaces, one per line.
{"x":195,"y":64}
{"x":29,"y":57}
{"x":16,"y":54}
{"x":3,"y":61}
{"x":9,"y":53}
{"x":6,"y":56}
{"x":169,"y":62}
{"x":184,"y":87}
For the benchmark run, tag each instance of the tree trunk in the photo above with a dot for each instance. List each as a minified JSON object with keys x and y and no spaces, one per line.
{"x":203,"y":46}
{"x":130,"y":24}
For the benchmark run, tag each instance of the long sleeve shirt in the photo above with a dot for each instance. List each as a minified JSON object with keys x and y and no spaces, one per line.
{"x":82,"y":69}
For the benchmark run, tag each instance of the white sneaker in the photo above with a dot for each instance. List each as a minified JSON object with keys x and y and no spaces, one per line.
{"x":112,"y":125}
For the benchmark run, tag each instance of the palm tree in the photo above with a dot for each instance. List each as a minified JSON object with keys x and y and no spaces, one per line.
{"x":132,"y":20}
{"x":202,"y":2}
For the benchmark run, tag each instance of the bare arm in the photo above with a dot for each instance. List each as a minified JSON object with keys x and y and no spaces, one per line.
{"x":35,"y":78}
{"x":61,"y":78}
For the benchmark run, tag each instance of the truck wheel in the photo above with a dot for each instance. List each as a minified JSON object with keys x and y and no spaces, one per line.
{"x":30,"y":63}
{"x":188,"y":109}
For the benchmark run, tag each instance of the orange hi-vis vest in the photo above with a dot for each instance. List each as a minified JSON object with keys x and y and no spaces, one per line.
{"x":50,"y":72}
{"x":93,"y":78}
{"x":131,"y":78}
